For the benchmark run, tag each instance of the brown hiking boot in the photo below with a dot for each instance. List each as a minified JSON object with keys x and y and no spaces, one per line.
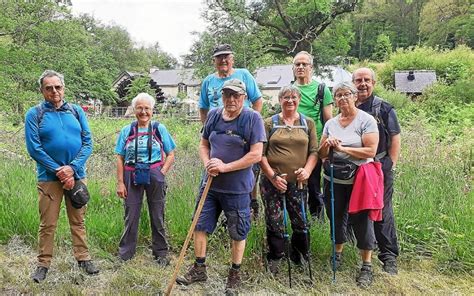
{"x":233,"y":280}
{"x":197,"y":273}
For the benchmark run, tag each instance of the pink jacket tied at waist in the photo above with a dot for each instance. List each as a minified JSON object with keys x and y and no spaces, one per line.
{"x":368,"y":190}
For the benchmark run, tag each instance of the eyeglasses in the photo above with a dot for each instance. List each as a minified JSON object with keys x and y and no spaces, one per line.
{"x":223,"y":57}
{"x":231,"y":94}
{"x":304,"y":65}
{"x":344,"y":95}
{"x":288,"y":98}
{"x":51,"y":88}
{"x":141,"y":109}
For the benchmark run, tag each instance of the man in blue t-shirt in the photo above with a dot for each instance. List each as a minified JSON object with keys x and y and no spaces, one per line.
{"x":211,"y":87}
{"x":232,"y":141}
{"x":58,"y":138}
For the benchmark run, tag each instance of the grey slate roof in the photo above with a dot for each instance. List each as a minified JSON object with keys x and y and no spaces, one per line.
{"x":124,"y":75}
{"x":174,"y":77}
{"x":277,"y":76}
{"x":422,"y":79}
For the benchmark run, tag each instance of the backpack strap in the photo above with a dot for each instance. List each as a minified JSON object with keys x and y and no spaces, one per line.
{"x":153,"y":132}
{"x":275,"y":125}
{"x":41,"y":109}
{"x":376,"y":107}
{"x":149,"y":142}
{"x":319,"y":99}
{"x":242,"y":122}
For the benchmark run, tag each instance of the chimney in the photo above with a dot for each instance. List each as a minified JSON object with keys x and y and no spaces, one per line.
{"x":411,"y":76}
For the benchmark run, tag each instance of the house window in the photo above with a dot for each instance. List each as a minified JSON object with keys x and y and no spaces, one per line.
{"x":182,"y":88}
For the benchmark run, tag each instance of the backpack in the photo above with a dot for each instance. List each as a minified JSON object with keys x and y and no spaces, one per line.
{"x":153,"y":129}
{"x":275,"y":126}
{"x":41,"y":109}
{"x":242,"y":132}
{"x":319,"y":100}
{"x":385,"y":137}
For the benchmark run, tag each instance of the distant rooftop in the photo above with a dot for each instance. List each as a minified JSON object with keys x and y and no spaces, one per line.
{"x":174,"y":77}
{"x":277,"y":76}
{"x":414,"y":81}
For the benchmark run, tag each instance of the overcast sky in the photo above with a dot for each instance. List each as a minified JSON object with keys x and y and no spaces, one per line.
{"x":168,"y":22}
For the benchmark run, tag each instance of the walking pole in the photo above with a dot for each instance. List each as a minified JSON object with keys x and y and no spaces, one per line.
{"x":188,"y":237}
{"x":306,"y":231}
{"x":287,"y":240}
{"x":333,"y":234}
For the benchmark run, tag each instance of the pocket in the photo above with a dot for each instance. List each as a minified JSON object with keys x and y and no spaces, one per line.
{"x":238,"y":224}
{"x":387,"y":163}
{"x":243,"y":227}
{"x":141,"y":174}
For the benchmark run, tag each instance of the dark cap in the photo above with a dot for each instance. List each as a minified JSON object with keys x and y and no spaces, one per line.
{"x":222,"y":49}
{"x":235,"y":85}
{"x":79,"y":195}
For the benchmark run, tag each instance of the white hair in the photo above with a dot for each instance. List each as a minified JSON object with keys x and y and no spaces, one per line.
{"x":144,"y":96}
{"x":372,"y":73}
{"x":50,"y":73}
{"x":303,"y":52}
{"x":344,"y":85}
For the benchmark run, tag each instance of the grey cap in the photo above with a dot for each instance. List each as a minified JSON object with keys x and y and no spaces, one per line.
{"x":235,"y":85}
{"x":222,"y":49}
{"x":79,"y":195}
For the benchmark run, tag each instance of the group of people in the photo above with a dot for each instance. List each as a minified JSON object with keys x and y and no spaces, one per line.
{"x":289,"y":147}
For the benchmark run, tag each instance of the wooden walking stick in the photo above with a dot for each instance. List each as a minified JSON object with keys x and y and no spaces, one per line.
{"x":188,"y":237}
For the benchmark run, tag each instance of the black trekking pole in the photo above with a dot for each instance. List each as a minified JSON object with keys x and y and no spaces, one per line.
{"x":287,"y":240}
{"x":306,"y":230}
{"x":333,"y":226}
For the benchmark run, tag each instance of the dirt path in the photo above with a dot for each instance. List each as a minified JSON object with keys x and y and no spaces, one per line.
{"x":142,"y":276}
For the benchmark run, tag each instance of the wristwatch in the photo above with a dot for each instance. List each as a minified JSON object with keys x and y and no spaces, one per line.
{"x":275,"y":175}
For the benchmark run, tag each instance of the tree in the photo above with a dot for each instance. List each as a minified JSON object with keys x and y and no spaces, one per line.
{"x":383,"y":48}
{"x":398,"y":19}
{"x":448,"y":23}
{"x":285,"y":27}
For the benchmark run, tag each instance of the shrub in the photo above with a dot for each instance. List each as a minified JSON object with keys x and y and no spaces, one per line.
{"x":450,"y":65}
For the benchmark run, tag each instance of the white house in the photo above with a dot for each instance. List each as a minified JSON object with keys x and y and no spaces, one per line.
{"x":172,"y":82}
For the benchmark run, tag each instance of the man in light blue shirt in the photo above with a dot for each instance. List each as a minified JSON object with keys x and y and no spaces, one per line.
{"x":211,"y":88}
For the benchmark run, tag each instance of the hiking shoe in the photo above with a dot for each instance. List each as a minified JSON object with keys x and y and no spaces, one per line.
{"x":233,"y":281}
{"x":338,"y":260}
{"x":365,"y":277}
{"x":390,"y":267}
{"x":163,"y":260}
{"x":197,"y":273}
{"x":274,"y":266}
{"x":40,"y":274}
{"x":88,"y":267}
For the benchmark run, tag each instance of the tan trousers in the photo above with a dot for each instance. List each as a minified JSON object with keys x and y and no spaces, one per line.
{"x":50,"y":198}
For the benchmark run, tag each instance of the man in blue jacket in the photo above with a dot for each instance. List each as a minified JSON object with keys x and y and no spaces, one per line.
{"x":59,"y":140}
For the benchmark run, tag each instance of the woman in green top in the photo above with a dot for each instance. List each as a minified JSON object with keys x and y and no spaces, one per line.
{"x":290,"y":155}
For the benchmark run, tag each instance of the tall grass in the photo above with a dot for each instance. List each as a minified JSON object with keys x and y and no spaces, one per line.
{"x":433,"y":200}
